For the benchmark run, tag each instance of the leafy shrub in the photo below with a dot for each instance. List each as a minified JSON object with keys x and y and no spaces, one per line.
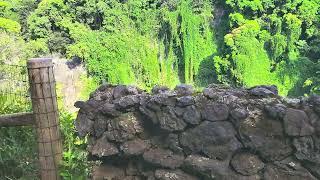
{"x":9,"y":25}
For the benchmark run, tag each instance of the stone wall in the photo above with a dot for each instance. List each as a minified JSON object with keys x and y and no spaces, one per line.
{"x":220,"y":133}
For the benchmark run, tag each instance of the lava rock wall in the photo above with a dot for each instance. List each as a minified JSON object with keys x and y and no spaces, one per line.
{"x":220,"y":133}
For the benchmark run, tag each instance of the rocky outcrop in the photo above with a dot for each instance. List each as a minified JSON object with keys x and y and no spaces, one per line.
{"x":219,"y":133}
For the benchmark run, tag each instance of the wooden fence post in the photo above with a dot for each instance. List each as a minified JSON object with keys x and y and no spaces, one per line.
{"x":45,"y":109}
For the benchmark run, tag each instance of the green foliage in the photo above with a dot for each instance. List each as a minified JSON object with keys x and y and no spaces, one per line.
{"x":308,"y":11}
{"x":18,"y":153}
{"x":252,"y":66}
{"x":278,"y":46}
{"x":6,"y":9}
{"x":221,"y":65}
{"x":168,"y":42}
{"x":145,"y":42}
{"x":252,"y":5}
{"x":275,"y":51}
{"x":14,"y":50}
{"x":293,"y":31}
{"x":15,"y":13}
{"x":74,"y":164}
{"x":108,"y":58}
{"x":236,"y":20}
{"x":165,"y":52}
{"x":41,"y":22}
{"x":198,"y":38}
{"x":9,"y":25}
{"x":18,"y":148}
{"x":89,"y":85}
{"x":11,"y":48}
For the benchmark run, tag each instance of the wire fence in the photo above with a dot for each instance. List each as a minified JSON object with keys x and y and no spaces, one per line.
{"x":14,"y":89}
{"x":19,"y":146}
{"x":18,"y":152}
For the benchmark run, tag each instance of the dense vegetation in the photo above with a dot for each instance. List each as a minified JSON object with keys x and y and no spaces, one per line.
{"x":166,"y":42}
{"x":148,"y":42}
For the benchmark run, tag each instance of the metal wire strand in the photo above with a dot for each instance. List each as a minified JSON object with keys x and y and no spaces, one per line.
{"x":14,"y":87}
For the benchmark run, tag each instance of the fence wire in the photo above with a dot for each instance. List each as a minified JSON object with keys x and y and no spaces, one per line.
{"x":18,"y":152}
{"x":14,"y":89}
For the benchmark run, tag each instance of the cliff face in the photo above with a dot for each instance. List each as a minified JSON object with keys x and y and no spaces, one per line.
{"x":220,"y":133}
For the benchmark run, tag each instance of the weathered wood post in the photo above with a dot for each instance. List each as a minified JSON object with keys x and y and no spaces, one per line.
{"x":45,"y":109}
